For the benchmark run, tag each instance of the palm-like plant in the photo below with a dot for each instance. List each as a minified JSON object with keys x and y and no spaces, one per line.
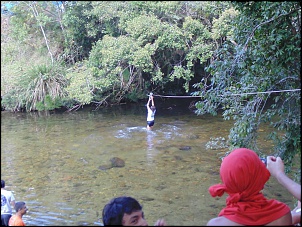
{"x":43,"y":81}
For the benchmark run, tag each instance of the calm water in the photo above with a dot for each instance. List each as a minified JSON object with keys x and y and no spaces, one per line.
{"x":51,"y":161}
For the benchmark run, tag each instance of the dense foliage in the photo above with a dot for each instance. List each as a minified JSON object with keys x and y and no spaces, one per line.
{"x":242,"y":58}
{"x":255,"y":75}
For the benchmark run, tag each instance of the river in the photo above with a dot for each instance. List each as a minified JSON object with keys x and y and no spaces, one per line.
{"x":51,"y":161}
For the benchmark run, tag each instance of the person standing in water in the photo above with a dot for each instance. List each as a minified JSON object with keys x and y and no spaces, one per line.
{"x":150,"y":112}
{"x":7,"y":200}
{"x":16,"y":219}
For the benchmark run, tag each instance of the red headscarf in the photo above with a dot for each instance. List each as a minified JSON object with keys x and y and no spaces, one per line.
{"x":243,"y":175}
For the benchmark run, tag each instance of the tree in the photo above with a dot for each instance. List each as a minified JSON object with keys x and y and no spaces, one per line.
{"x":35,"y":83}
{"x":255,"y":75}
{"x":147,"y":46}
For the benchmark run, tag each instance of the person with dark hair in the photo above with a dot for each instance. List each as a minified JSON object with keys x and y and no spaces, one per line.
{"x":16,"y":219}
{"x":125,"y":211}
{"x":150,"y":112}
{"x":7,"y":199}
{"x":243,"y":177}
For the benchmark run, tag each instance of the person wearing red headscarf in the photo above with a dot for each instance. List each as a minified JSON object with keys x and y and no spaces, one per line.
{"x":243,"y":177}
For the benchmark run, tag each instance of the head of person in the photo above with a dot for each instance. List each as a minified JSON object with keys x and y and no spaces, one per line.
{"x":153,"y":108}
{"x":21,"y":207}
{"x":2,"y":183}
{"x":243,"y":175}
{"x":125,"y":211}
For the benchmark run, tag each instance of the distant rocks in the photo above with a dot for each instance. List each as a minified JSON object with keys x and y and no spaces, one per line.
{"x":114,"y":162}
{"x":217,"y":143}
{"x":145,"y":198}
{"x":177,"y":157}
{"x":185,"y":148}
{"x":117,"y":162}
{"x":192,"y":137}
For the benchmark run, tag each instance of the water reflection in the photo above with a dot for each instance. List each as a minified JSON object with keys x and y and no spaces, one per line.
{"x":154,"y":138}
{"x":51,"y":162}
{"x":151,"y":149}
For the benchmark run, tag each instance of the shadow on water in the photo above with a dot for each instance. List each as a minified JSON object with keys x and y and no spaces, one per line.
{"x":52,"y":162}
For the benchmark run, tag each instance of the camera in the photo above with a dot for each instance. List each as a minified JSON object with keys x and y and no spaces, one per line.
{"x":263,"y":160}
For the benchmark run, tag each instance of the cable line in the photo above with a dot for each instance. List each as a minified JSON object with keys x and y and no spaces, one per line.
{"x":229,"y":94}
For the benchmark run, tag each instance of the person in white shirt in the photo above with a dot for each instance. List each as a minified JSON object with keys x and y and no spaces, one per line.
{"x":7,"y":199}
{"x":150,"y":112}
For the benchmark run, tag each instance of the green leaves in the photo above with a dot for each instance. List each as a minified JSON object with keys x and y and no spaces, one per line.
{"x":81,"y":84}
{"x":144,"y":28}
{"x":262,"y":56}
{"x":229,"y":53}
{"x":35,"y":85}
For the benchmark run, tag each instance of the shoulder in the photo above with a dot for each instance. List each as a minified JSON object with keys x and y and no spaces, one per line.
{"x":16,"y":221}
{"x":284,"y":220}
{"x":222,"y":221}
{"x":5,"y":192}
{"x":11,"y":221}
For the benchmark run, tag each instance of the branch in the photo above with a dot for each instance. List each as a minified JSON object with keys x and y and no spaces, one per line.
{"x":266,"y":22}
{"x":32,"y":6}
{"x":252,"y":34}
{"x":101,"y":102}
{"x":76,"y":107}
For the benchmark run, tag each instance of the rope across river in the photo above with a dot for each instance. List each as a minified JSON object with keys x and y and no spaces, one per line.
{"x":228,"y":94}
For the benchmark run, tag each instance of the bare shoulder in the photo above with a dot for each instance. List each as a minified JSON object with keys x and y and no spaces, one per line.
{"x":222,"y":221}
{"x":284,"y":220}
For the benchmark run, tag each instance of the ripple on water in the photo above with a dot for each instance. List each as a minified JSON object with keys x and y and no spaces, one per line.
{"x":52,"y":164}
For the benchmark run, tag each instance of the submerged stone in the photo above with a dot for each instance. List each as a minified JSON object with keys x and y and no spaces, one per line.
{"x":185,"y":148}
{"x":117,"y":162}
